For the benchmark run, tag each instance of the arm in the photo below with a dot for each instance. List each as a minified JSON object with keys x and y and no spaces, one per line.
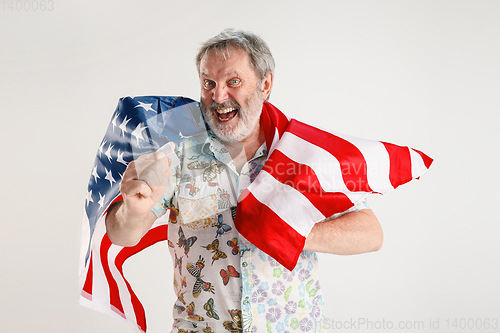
{"x":142,"y":186}
{"x":352,"y":233}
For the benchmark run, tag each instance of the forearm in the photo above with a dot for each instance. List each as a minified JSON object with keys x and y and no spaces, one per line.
{"x":352,"y":233}
{"x":124,"y":229}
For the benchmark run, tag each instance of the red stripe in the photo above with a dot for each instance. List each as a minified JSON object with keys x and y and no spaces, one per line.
{"x":427,"y":160}
{"x":114,"y":293}
{"x":353,"y":164}
{"x":400,"y":164}
{"x":303,"y":178}
{"x":281,"y":241}
{"x":87,"y":287}
{"x":153,"y":236}
{"x":272,"y":119}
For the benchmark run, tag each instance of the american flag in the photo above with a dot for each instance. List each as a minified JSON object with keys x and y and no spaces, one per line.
{"x":310,"y":174}
{"x":313,"y":174}
{"x":139,"y":125}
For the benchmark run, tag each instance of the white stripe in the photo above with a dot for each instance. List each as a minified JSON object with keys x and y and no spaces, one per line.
{"x":125,"y":298}
{"x":417,"y":164}
{"x":290,"y":205}
{"x":100,"y":288}
{"x":324,"y":164}
{"x":377,"y":160}
{"x":275,"y":141}
{"x":82,"y":269}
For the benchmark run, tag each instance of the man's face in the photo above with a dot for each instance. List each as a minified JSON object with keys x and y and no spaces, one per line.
{"x":231,"y":95}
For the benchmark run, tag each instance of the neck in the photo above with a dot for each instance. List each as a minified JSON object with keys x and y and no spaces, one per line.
{"x":241,"y":152}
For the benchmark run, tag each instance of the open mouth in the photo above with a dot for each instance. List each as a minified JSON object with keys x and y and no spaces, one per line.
{"x":226,"y":114}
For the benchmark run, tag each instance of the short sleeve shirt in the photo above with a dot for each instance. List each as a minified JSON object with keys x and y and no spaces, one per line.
{"x":222,"y":281}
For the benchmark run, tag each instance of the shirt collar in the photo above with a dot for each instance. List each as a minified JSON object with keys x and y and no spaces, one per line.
{"x":214,"y":146}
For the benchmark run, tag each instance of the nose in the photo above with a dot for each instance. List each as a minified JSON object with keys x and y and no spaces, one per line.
{"x":220,"y":94}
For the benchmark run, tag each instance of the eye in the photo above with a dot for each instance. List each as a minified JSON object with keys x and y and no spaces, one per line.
{"x":208,"y":84}
{"x":233,"y":82}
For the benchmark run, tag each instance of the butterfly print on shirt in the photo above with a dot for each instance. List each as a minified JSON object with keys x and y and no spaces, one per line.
{"x":195,"y":271}
{"x":214,"y":247}
{"x":186,"y":243}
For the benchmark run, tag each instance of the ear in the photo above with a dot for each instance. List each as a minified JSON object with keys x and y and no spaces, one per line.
{"x":267,"y":85}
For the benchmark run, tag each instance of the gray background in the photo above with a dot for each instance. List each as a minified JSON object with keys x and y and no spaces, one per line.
{"x":418,"y":73}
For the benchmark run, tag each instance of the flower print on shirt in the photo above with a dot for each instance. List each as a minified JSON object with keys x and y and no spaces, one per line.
{"x":278,"y":288}
{"x":315,"y":312}
{"x":255,"y":280}
{"x":273,"y":262}
{"x":306,"y":325}
{"x":290,"y":307}
{"x":273,"y":314}
{"x":304,"y":274}
{"x":259,"y":296}
{"x":288,"y":275}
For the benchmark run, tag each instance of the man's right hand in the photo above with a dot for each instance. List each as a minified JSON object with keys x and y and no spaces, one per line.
{"x":144,"y":182}
{"x":142,"y":186}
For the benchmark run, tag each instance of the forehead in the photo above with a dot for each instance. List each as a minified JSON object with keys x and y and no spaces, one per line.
{"x":226,"y":63}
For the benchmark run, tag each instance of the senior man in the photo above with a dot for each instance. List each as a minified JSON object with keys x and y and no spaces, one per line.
{"x":222,"y":281}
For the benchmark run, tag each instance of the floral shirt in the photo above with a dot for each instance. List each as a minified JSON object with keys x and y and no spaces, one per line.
{"x":222,"y":281}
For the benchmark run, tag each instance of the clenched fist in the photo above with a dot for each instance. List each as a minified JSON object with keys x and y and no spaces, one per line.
{"x":142,"y":186}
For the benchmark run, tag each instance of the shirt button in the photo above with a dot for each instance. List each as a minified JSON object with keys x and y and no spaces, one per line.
{"x":244,"y":264}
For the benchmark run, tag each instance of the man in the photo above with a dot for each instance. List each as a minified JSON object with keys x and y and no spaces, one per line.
{"x":223,"y":282}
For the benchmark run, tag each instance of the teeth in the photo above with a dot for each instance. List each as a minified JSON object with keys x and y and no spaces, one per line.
{"x":226,"y":110}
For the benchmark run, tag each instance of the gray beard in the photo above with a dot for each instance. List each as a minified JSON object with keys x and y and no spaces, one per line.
{"x":248,"y":119}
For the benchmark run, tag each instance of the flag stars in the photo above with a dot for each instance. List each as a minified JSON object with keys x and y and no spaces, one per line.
{"x":101,"y":199}
{"x":109,"y":176}
{"x":120,"y":158}
{"x":146,"y":107}
{"x":138,"y":132}
{"x":108,"y":152}
{"x":101,"y":147}
{"x":123,"y":125}
{"x":89,"y":197}
{"x":114,"y":120}
{"x":95,"y":174}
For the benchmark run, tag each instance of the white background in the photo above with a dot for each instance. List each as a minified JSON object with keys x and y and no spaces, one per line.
{"x":418,"y":73}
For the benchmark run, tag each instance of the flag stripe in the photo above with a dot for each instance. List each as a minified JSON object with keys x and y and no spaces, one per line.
{"x":290,"y":205}
{"x":274,"y":123}
{"x":124,"y":292}
{"x":400,"y":170}
{"x":100,"y":288}
{"x":114,"y":294}
{"x":279,"y":235}
{"x":427,"y":160}
{"x":153,"y":236}
{"x":353,"y":164}
{"x":87,"y":287}
{"x":303,"y":179}
{"x":377,"y":161}
{"x":297,"y":156}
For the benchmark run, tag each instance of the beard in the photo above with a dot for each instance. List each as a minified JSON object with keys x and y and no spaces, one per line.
{"x":248,"y":117}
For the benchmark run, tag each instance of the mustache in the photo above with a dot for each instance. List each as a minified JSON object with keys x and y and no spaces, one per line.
{"x":229,"y":104}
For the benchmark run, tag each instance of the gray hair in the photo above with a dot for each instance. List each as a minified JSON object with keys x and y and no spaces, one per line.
{"x":261,"y":59}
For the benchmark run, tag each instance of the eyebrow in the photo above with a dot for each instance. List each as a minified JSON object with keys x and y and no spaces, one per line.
{"x":228,"y":74}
